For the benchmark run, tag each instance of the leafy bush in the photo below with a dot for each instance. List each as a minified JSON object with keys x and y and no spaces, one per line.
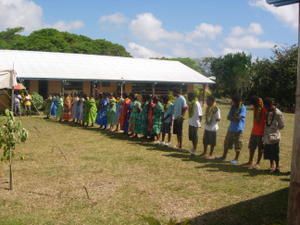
{"x":37,"y":100}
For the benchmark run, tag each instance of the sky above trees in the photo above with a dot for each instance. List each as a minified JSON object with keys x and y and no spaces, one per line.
{"x":158,"y":28}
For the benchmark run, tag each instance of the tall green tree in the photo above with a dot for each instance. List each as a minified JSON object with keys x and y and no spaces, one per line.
{"x":52,"y":40}
{"x":276,"y":77}
{"x":232,"y":73}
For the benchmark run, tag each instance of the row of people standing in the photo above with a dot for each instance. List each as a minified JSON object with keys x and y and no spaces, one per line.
{"x":81,"y":110}
{"x":152,"y":117}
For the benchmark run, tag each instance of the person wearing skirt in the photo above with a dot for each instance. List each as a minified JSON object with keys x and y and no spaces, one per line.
{"x":274,"y":123}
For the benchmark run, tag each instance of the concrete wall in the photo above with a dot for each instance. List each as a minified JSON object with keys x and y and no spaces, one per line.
{"x":128,"y":88}
{"x":34,"y":86}
{"x":112,"y":88}
{"x":86,"y":88}
{"x":55,"y":86}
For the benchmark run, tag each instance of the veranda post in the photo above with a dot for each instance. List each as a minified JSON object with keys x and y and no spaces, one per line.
{"x":294,"y":192}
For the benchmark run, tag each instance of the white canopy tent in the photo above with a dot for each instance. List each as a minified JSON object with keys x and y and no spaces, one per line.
{"x":67,"y":66}
{"x":8,"y":80}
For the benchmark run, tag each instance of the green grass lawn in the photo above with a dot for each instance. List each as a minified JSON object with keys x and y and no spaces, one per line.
{"x":126,"y":180}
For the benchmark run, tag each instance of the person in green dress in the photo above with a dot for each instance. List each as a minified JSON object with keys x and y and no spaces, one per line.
{"x":91,"y":111}
{"x":138,"y":122}
{"x":85,"y":111}
{"x":144,"y":115}
{"x":111,"y":113}
{"x":119,"y":102}
{"x":60,"y":108}
{"x":133,"y":115}
{"x":157,"y":119}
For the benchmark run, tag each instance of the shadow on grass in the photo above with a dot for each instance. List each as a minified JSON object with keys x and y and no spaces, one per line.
{"x":270,"y":209}
{"x":210,"y":165}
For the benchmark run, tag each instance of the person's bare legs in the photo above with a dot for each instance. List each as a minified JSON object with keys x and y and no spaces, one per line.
{"x":205,"y":150}
{"x":259,"y":157}
{"x":212,"y":148}
{"x":179,"y":141}
{"x":237,"y":155}
{"x":251,"y":156}
{"x":272,"y":165}
{"x":225,"y":152}
{"x":169,"y":137}
{"x":195,"y":143}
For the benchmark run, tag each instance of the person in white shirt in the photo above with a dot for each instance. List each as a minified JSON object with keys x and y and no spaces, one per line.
{"x":212,"y":118}
{"x":195,"y":117}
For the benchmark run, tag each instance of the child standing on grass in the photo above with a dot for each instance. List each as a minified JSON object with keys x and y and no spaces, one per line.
{"x":111,"y":112}
{"x":212,"y":118}
{"x":195,"y":117}
{"x":167,"y":120}
{"x":257,"y":133}
{"x":272,"y":136}
{"x":102,"y":114}
{"x":138,"y":129}
{"x":91,"y":111}
{"x":180,"y":108}
{"x":60,"y":108}
{"x":237,"y":118}
{"x":75,"y":101}
{"x":47,"y":106}
{"x":27,"y":104}
{"x":158,"y":112}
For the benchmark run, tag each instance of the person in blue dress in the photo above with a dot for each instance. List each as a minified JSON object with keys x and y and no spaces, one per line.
{"x":53,"y":107}
{"x":102,"y":114}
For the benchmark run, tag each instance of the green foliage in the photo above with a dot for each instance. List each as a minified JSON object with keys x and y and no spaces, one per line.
{"x":52,"y":40}
{"x":37,"y":100}
{"x":276,"y":77}
{"x":232,"y":73}
{"x":11,"y":133}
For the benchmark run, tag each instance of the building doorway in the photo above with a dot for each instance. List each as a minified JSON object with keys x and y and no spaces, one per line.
{"x":43,"y":88}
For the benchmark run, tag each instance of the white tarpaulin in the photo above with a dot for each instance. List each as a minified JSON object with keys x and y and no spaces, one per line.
{"x":7,"y":79}
{"x":67,"y":66}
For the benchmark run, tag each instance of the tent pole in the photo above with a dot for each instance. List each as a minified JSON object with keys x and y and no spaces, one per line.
{"x":153,"y":89}
{"x":12,"y":93}
{"x":122,"y":83}
{"x":63,"y":88}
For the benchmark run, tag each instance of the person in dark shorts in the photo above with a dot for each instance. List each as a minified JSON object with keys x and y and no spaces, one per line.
{"x":256,"y":138}
{"x":272,"y":136}
{"x":195,"y":117}
{"x":180,"y":108}
{"x":167,"y":120}
{"x":237,"y":118}
{"x":212,"y":118}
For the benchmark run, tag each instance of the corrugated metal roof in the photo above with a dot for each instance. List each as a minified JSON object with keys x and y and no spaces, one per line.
{"x":282,"y":2}
{"x":67,"y":66}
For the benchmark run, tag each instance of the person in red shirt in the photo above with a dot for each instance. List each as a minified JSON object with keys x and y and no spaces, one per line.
{"x":256,"y":138}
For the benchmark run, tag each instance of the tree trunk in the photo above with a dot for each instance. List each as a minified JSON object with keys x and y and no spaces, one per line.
{"x":294,"y":194}
{"x":10,"y":171}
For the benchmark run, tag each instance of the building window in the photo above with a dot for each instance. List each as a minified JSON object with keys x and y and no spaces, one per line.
{"x":105,"y":84}
{"x":76,"y":86}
